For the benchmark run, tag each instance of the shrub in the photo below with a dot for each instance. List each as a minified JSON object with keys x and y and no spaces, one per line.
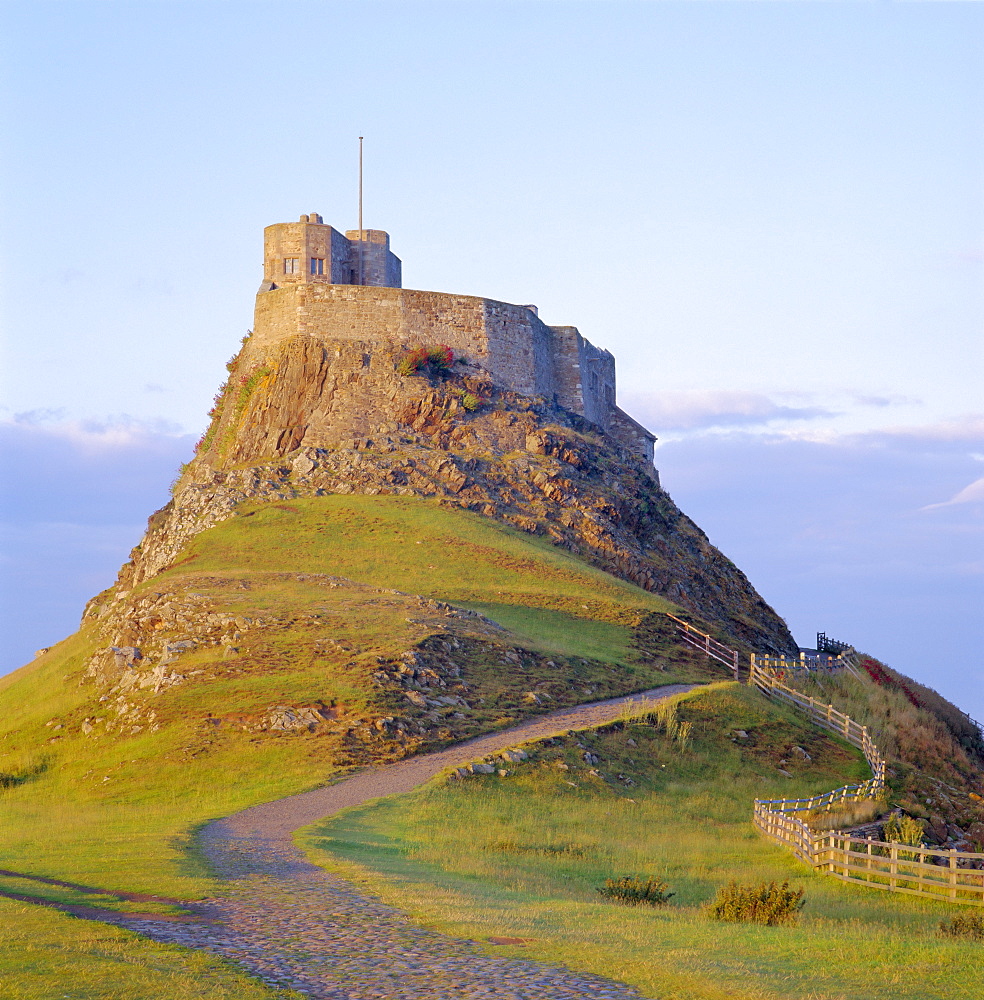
{"x":769,"y":903}
{"x":965,"y":925}
{"x":902,"y":829}
{"x":636,"y":891}
{"x":435,"y":361}
{"x":182,"y":469}
{"x":248,"y":384}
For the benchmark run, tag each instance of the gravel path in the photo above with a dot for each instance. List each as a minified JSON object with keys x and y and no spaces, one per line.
{"x":294,"y":925}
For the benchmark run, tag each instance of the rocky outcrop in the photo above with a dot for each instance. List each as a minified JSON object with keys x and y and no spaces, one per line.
{"x":313,"y":421}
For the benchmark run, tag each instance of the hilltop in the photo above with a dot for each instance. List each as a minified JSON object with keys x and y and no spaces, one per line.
{"x":413,"y":518}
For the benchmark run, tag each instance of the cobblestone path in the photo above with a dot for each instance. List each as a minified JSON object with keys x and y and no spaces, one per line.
{"x":294,"y":925}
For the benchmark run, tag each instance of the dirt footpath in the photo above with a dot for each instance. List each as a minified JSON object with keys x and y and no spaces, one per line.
{"x":294,"y":925}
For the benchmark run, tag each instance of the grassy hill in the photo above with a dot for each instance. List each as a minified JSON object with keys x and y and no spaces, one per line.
{"x":333,"y":609}
{"x":297,"y":640}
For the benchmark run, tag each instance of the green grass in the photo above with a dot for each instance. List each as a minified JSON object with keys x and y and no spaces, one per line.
{"x":520,"y":856}
{"x":46,"y":955}
{"x":116,"y":812}
{"x":414,"y":545}
{"x":562,"y":632}
{"x":523,"y":856}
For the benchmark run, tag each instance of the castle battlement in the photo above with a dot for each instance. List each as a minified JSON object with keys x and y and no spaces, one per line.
{"x":311,"y":289}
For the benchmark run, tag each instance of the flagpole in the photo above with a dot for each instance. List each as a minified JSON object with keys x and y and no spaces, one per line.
{"x":362,"y":235}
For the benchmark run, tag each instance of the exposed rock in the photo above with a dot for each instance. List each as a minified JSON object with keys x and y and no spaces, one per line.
{"x":334,"y":426}
{"x":938,"y":828}
{"x":284,"y":717}
{"x":126,"y":656}
{"x":975,"y":834}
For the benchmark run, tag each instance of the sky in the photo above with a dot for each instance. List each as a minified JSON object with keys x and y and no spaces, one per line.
{"x":771,"y":213}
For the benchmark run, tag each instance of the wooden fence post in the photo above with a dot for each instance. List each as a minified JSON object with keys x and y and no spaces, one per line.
{"x":893,"y":868}
{"x":953,"y":873}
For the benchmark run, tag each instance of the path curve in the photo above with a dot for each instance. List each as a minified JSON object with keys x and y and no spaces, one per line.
{"x":292,"y":924}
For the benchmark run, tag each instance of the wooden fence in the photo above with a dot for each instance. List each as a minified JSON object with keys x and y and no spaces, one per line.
{"x":952,"y":876}
{"x":707,"y":644}
{"x":827,"y":645}
{"x":822,"y":663}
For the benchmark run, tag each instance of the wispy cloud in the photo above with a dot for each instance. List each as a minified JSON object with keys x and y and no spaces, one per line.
{"x":74,"y":496}
{"x":113,"y":433}
{"x":881,"y":402}
{"x":974,"y":493}
{"x":688,"y":410}
{"x":967,"y":429}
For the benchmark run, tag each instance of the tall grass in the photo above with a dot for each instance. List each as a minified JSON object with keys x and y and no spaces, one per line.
{"x":685,"y":821}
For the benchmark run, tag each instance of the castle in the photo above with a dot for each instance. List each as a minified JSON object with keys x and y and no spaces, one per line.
{"x":321,"y":284}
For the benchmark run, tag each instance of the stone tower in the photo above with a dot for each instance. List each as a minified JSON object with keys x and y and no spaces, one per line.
{"x":308,"y":251}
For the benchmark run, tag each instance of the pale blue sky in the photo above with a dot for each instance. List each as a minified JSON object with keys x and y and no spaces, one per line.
{"x":771,"y":214}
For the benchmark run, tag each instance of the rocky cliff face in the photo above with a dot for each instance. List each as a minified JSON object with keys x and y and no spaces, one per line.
{"x":318,"y":417}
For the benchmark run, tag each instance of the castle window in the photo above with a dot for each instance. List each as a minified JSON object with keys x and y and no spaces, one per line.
{"x":317,"y":265}
{"x":290,"y":265}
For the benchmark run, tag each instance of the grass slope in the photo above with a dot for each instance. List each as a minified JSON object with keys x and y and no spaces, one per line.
{"x":44,"y":954}
{"x":522,"y":856}
{"x":114,"y":810}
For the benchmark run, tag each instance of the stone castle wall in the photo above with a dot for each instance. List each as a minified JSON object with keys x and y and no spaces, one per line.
{"x":320,"y":295}
{"x":517,"y":350}
{"x":369,"y":252}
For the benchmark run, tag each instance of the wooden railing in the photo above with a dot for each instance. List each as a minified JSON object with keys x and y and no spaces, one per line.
{"x":828,"y":645}
{"x":707,"y":644}
{"x":823,"y":663}
{"x":954,"y":876}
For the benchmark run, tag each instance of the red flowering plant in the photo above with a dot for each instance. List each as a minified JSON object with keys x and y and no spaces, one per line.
{"x":435,"y":361}
{"x":884,"y":679}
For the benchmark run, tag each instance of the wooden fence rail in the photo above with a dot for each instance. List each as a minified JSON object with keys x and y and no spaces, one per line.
{"x":952,"y":876}
{"x":707,"y":644}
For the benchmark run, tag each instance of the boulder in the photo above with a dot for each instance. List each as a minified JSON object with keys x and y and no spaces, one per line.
{"x":937,"y":827}
{"x":125,"y":656}
{"x":975,"y":834}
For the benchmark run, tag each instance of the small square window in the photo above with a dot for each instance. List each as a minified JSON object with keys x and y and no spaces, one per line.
{"x":290,"y":265}
{"x":317,"y":265}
